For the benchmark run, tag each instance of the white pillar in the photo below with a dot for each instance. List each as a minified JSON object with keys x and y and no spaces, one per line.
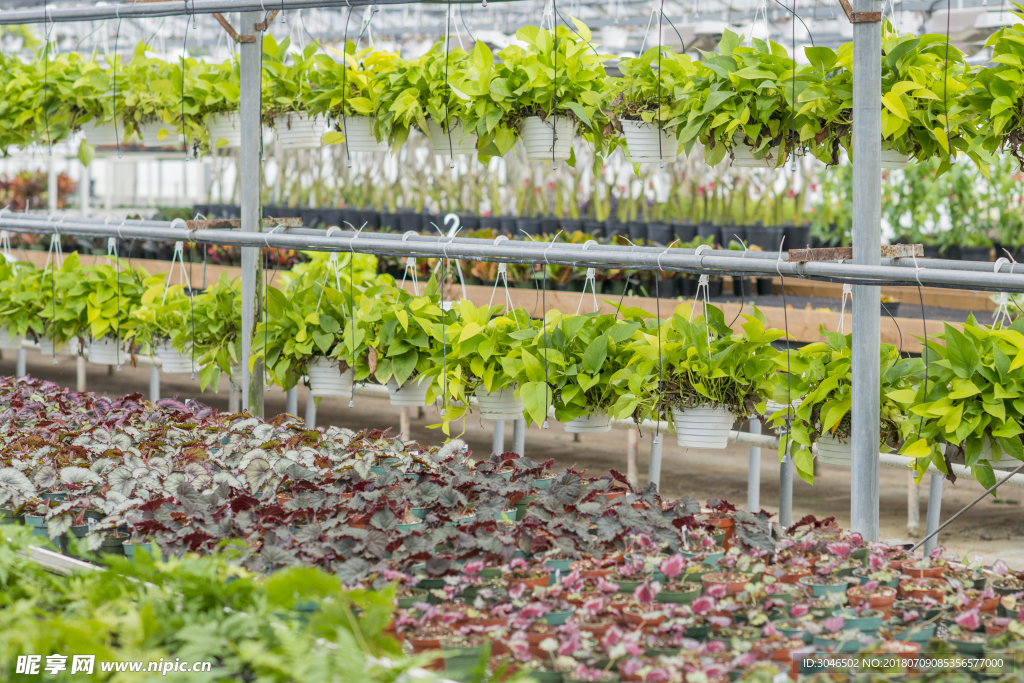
{"x":310,"y":411}
{"x":80,"y":374}
{"x":632,"y":473}
{"x":154,"y":383}
{"x":754,"y":469}
{"x":291,"y":401}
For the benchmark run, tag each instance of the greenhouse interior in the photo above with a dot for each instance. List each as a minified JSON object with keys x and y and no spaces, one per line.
{"x":511,"y":341}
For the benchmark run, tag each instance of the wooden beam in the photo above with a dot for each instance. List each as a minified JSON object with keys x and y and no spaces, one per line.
{"x":227,"y":26}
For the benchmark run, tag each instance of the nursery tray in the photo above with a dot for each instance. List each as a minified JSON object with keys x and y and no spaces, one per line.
{"x":846,"y":253}
{"x":228,"y":223}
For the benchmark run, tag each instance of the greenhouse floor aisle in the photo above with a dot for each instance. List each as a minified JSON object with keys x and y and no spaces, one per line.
{"x":990,"y":529}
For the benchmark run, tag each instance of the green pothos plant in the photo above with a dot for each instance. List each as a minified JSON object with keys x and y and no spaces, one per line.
{"x":706,"y":363}
{"x":162,"y":312}
{"x":22,"y":297}
{"x":216,"y":317}
{"x":820,"y":375}
{"x":288,"y":83}
{"x":973,"y":402}
{"x":522,"y":83}
{"x":579,"y":364}
{"x":351,"y":87}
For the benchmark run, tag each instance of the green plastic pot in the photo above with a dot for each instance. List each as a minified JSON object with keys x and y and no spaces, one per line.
{"x":611,"y":677}
{"x":419,"y":513}
{"x":430,"y":584}
{"x":849,"y":645}
{"x":868,"y":624}
{"x":698,"y":632}
{"x":7,"y":517}
{"x":819,"y":590}
{"x":491,"y":572}
{"x":544,"y":676}
{"x":557,"y":618}
{"x":59,"y":497}
{"x":966,"y":648}
{"x":522,"y":505}
{"x":543,"y":483}
{"x":679,"y":598}
{"x":78,"y":532}
{"x":113,"y":544}
{"x":130,"y":548}
{"x":922,"y":635}
{"x":461,"y":661}
{"x":38,"y":525}
{"x":627,"y":586}
{"x":410,"y":526}
{"x":801,"y":633}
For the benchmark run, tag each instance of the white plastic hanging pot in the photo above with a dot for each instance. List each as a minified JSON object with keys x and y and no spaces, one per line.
{"x":150,"y":134}
{"x":458,"y":143}
{"x":538,"y":138}
{"x":102,"y":134}
{"x":8,"y":342}
{"x":359,"y":134}
{"x":832,"y":451}
{"x":703,"y":426}
{"x":68,"y":349}
{"x":104,"y":351}
{"x":412,"y":394}
{"x":296,"y":130}
{"x":173,"y":361}
{"x":893,"y":159}
{"x":643,"y":141}
{"x":227,"y":127}
{"x":325,"y":378}
{"x":499,"y":405}
{"x":590,"y":424}
{"x":743,"y":157}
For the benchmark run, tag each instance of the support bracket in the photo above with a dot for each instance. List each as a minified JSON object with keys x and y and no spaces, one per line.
{"x":229,"y":223}
{"x":244,"y":38}
{"x":846,"y":253}
{"x":860,"y":17}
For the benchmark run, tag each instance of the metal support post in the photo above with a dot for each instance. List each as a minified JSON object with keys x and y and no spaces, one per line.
{"x":934,"y":511}
{"x":913,"y":505}
{"x":786,"y":468}
{"x":754,"y":469}
{"x":19,"y":365}
{"x":291,"y":401}
{"x":310,"y":411}
{"x":519,"y":436}
{"x":654,"y":466}
{"x":154,"y":383}
{"x":83,"y":192}
{"x":80,"y":375}
{"x":867,"y":240}
{"x":498,"y":439}
{"x":632,"y":471}
{"x":404,"y":427}
{"x":250,"y":75}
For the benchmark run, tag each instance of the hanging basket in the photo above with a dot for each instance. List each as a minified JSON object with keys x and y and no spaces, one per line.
{"x":173,"y":361}
{"x":296,"y":130}
{"x":70,"y":348}
{"x":590,"y":424}
{"x":703,"y":426}
{"x":499,"y":405}
{"x":642,"y":139}
{"x":538,"y":138}
{"x":325,"y":378}
{"x":743,"y":157}
{"x":412,"y":394}
{"x":226,"y":126}
{"x":102,"y":134}
{"x":105,"y":351}
{"x":359,"y":134}
{"x":458,"y":143}
{"x":893,"y":159}
{"x":7,"y":342}
{"x":150,"y":134}
{"x":832,"y":451}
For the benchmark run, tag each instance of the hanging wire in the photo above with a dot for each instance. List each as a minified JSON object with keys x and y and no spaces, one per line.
{"x":46,"y":94}
{"x":447,"y":89}
{"x":117,"y":288}
{"x":792,"y":118}
{"x":554,"y":110}
{"x":661,"y":159}
{"x":344,"y":88}
{"x":184,"y":131}
{"x":945,"y":83}
{"x":117,"y":35}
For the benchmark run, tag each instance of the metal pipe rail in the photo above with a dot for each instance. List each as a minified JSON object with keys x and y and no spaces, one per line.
{"x":951,"y":274}
{"x":172,"y":8}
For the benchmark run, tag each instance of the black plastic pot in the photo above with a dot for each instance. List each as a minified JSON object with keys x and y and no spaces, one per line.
{"x":490,"y":223}
{"x":766,"y":237}
{"x":409,"y":220}
{"x":975,"y":254}
{"x":705,"y":230}
{"x":614,"y":228}
{"x":797,"y":236}
{"x":637,"y":230}
{"x":530,"y":226}
{"x":892,"y":308}
{"x":329,"y":217}
{"x":311,"y":218}
{"x":349,"y":219}
{"x":742,"y":286}
{"x":570,"y":224}
{"x":508,"y":226}
{"x":595,"y":228}
{"x":932,"y":251}
{"x":469,"y":221}
{"x":684,"y":232}
{"x":662,"y":286}
{"x":764,"y":286}
{"x":715,"y":287}
{"x":369,"y":220}
{"x":201,"y":209}
{"x":549,"y":226}
{"x":686,"y":285}
{"x":732,"y":233}
{"x":388,"y":222}
{"x":433,"y":219}
{"x":661,"y":233}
